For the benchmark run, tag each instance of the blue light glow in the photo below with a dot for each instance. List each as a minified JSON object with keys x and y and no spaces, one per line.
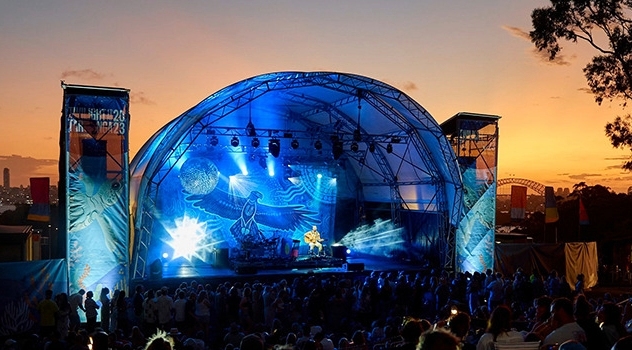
{"x":187,"y":239}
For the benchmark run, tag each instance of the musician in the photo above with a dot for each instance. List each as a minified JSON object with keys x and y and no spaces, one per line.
{"x":313,"y":239}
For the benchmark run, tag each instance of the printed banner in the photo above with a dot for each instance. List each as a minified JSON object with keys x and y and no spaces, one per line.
{"x":583,"y":215}
{"x":518,"y":202}
{"x":550,"y":206}
{"x":96,"y":124}
{"x":40,"y":209}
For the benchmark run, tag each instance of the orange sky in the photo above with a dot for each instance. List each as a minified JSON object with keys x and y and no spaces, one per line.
{"x":450,"y":56}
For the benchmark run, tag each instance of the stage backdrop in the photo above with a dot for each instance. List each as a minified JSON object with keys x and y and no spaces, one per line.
{"x":94,"y":186}
{"x":579,"y":257}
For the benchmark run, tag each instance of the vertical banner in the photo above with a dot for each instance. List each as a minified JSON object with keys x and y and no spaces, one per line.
{"x":518,"y":202}
{"x":550,"y":206}
{"x":95,"y":182}
{"x":40,"y":209}
{"x":583,"y":214}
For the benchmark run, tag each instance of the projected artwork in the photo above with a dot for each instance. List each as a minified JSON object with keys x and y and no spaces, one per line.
{"x":202,"y":210}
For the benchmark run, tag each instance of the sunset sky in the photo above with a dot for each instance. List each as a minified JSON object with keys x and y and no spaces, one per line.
{"x":450,"y":56}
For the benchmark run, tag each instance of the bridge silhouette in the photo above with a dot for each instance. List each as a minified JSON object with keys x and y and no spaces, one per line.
{"x":533,"y":185}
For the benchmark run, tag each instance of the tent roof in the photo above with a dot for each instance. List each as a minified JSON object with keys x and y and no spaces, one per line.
{"x":402,"y":154}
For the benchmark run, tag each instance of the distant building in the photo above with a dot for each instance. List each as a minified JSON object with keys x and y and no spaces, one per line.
{"x":6,"y":183}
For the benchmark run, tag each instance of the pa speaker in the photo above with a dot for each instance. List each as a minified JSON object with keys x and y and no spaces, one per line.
{"x":155,"y":270}
{"x":353,"y":266}
{"x":339,"y":252}
{"x":221,"y":258}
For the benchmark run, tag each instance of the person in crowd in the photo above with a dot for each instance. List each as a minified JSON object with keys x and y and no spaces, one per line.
{"x":566,"y":328}
{"x":180,"y":309}
{"x":439,"y":340}
{"x":114,"y":311}
{"x":203,"y":311}
{"x":164,"y":303}
{"x":47,"y":309}
{"x":459,"y":325}
{"x":609,"y":318}
{"x":499,"y":330}
{"x":150,"y":313}
{"x":91,"y":307}
{"x":137,"y":304}
{"x":251,"y":342}
{"x":76,"y":303}
{"x":160,"y":341}
{"x":63,"y":315}
{"x":104,"y":298}
{"x":580,"y":284}
{"x":496,"y":291}
{"x":410,"y":334}
{"x":122,"y":317}
{"x":541,"y":323}
{"x":582,"y":310}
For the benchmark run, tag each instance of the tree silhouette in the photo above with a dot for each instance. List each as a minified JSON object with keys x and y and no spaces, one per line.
{"x":604,"y":25}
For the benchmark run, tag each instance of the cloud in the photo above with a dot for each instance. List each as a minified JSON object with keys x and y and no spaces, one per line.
{"x":22,"y":168}
{"x":140,"y":98}
{"x":542,"y":56}
{"x":409,"y":86}
{"x":87,"y":74}
{"x":583,"y":176}
{"x":585,"y":90}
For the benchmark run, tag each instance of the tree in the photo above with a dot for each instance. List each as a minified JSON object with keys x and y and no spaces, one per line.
{"x":605,"y":25}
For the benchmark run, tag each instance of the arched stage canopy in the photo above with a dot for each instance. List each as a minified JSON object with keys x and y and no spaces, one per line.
{"x":266,"y":158}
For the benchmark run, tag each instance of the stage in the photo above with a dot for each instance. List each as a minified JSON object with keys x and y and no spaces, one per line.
{"x":172,"y":274}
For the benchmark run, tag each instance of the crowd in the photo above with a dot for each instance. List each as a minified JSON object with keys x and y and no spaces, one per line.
{"x":379,"y":310}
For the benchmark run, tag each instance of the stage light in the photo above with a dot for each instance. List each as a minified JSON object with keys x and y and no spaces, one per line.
{"x":389,"y":148}
{"x":320,"y":176}
{"x":234,"y":141}
{"x":372,"y":147}
{"x":354,"y":146}
{"x":274,"y":147}
{"x":255,"y":142}
{"x":337,"y":150}
{"x":357,"y":135}
{"x":165,"y":255}
{"x":250,"y":129}
{"x":214,"y":141}
{"x":396,"y":139}
{"x":318,"y":145}
{"x":294,"y":144}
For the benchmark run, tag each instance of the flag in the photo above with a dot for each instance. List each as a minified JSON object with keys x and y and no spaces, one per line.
{"x":40,"y":209}
{"x":583,"y":215}
{"x":518,"y":202}
{"x":550,"y":206}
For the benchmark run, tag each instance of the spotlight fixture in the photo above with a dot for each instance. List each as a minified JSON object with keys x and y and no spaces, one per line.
{"x":255,"y":142}
{"x":396,"y":139}
{"x":389,"y":148}
{"x":357,"y":136}
{"x":250,"y":129}
{"x":274,"y":147}
{"x":337,"y":149}
{"x":294,"y":144}
{"x":318,"y":145}
{"x":214,"y":141}
{"x":234,"y":141}
{"x":372,"y":147}
{"x":354,"y":146}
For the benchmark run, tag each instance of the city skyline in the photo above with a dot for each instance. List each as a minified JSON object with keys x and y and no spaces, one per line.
{"x":450,"y":56}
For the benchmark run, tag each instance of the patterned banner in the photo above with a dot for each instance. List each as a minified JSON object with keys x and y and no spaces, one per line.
{"x":95,"y":125}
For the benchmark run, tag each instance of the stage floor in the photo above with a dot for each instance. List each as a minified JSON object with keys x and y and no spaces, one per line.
{"x":174,"y":273}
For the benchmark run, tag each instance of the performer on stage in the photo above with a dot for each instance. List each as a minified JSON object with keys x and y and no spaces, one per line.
{"x":313,"y":239}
